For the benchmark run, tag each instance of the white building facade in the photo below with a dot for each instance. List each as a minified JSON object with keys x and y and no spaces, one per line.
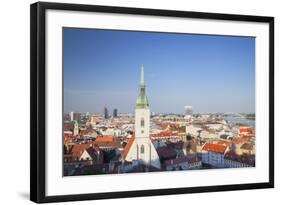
{"x":234,"y":164}
{"x":142,"y":148}
{"x":213,"y":154}
{"x":75,"y":128}
{"x":213,"y":158}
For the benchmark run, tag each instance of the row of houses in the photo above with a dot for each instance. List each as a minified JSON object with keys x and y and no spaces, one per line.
{"x":96,"y":153}
{"x":221,"y":156}
{"x":188,"y":162}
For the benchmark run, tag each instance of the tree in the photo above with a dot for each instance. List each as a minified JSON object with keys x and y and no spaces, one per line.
{"x":182,"y":129}
{"x":224,"y":136}
{"x":188,"y":137}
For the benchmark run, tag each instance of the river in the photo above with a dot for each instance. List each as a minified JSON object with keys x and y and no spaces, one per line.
{"x":240,"y":120}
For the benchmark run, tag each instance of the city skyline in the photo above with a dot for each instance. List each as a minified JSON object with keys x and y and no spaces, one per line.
{"x":211,"y":73}
{"x":132,"y":144}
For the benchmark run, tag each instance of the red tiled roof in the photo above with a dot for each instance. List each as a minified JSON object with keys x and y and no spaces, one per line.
{"x":128,"y":145}
{"x":68,"y":137}
{"x":218,"y":148}
{"x":245,"y":129}
{"x":76,"y":150}
{"x":240,"y":139}
{"x":104,"y":139}
{"x":168,"y":124}
{"x":224,"y":142}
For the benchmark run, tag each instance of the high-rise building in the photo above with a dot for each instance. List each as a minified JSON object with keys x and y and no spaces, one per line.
{"x":140,"y":146}
{"x":71,"y":115}
{"x":77,"y":116}
{"x":188,"y":110}
{"x":115,"y":112}
{"x":74,"y":116}
{"x":105,"y":113}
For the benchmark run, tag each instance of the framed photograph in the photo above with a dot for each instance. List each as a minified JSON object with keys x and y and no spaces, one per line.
{"x":129,"y":102}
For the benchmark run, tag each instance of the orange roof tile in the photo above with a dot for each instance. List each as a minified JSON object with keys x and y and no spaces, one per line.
{"x":218,"y":148}
{"x":77,"y":150}
{"x":128,"y":145}
{"x":168,"y":124}
{"x":104,"y":139}
{"x":245,"y":129}
{"x":224,"y":142}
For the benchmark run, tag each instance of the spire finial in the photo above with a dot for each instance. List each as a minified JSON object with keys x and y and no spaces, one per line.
{"x":142,"y":75}
{"x":142,"y":101}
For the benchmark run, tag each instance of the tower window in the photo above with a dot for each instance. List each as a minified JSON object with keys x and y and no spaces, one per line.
{"x":142,"y":122}
{"x":142,"y":149}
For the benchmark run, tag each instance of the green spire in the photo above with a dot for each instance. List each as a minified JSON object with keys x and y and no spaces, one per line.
{"x":142,"y":101}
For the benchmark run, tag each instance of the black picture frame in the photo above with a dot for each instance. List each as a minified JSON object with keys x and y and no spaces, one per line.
{"x":38,"y":103}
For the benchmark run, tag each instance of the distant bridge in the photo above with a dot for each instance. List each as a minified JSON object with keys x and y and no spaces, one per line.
{"x":234,"y":114}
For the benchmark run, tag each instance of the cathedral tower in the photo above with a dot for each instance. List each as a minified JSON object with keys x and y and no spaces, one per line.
{"x":75,"y":128}
{"x":140,"y":147}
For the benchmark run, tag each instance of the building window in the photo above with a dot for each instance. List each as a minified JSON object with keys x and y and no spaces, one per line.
{"x":142,"y":122}
{"x":142,"y":149}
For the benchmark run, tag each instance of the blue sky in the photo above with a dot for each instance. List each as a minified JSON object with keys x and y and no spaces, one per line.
{"x":210,"y":73}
